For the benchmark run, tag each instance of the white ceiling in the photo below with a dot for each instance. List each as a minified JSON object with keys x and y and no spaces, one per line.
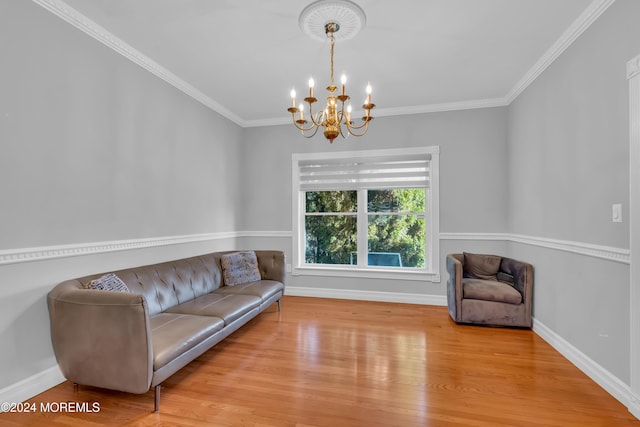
{"x":243,"y":57}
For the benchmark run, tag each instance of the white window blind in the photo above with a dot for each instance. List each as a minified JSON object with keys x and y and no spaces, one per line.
{"x":374,"y":172}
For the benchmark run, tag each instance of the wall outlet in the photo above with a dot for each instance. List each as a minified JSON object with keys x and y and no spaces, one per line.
{"x":616,"y":211}
{"x":287,"y":268}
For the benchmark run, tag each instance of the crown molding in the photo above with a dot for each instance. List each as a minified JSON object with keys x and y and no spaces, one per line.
{"x":78,"y":20}
{"x":86,"y":25}
{"x":403,"y":111}
{"x":579,"y":26}
{"x":446,"y":106}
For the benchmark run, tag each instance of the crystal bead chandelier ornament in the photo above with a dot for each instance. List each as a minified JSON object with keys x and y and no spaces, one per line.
{"x":335,"y":119}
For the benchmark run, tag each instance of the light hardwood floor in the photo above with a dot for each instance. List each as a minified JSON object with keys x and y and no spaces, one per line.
{"x":322,"y":362}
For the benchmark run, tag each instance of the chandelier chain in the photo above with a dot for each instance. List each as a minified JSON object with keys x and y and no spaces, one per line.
{"x":332,"y":44}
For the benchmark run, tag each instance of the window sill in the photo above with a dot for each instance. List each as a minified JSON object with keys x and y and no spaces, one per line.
{"x":367,"y":273}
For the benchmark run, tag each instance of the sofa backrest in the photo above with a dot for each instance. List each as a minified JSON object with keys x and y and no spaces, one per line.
{"x":170,"y":283}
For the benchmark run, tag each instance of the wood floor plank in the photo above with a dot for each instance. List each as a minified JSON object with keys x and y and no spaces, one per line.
{"x":322,"y":362}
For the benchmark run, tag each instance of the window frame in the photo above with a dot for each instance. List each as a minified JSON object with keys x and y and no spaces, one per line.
{"x":431,"y":271}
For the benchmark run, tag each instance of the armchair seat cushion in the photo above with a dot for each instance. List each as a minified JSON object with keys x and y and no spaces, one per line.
{"x":490,"y":290}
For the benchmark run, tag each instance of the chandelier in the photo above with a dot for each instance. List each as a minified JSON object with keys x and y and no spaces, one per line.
{"x":335,"y":118}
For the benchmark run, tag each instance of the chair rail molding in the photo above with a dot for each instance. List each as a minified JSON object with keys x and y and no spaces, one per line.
{"x":14,"y":256}
{"x":597,"y":251}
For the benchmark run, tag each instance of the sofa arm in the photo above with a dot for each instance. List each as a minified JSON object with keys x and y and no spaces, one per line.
{"x":101,"y":338}
{"x":454,"y":285}
{"x":271,"y":265}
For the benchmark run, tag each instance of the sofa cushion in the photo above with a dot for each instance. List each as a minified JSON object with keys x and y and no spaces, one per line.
{"x":108,"y":282}
{"x":174,"y":334}
{"x":481,"y":266}
{"x":240,"y":267}
{"x":263,"y":289}
{"x":490,"y":290}
{"x":227,"y":307}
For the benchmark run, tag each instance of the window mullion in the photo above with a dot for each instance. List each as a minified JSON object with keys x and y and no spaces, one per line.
{"x":363,"y":229}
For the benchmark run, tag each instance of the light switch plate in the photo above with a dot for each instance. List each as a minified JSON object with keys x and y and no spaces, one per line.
{"x":616,"y":210}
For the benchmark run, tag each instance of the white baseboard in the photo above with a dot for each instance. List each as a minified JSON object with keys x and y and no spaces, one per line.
{"x":32,"y":386}
{"x":299,"y":291}
{"x":605,"y":379}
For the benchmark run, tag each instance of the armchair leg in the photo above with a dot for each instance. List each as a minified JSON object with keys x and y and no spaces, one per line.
{"x":156,"y":403}
{"x":278,"y":304}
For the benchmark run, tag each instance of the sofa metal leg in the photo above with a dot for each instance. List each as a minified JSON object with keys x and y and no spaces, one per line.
{"x":156,"y":398}
{"x":75,"y":387}
{"x":278,"y":305}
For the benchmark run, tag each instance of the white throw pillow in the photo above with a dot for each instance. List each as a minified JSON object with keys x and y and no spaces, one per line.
{"x":108,"y":282}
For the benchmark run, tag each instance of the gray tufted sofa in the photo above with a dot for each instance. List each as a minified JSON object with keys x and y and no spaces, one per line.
{"x":174,"y":312}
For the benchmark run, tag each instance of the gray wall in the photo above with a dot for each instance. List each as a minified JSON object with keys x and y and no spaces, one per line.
{"x":568,"y":157}
{"x":473,"y":180}
{"x":94,"y":148}
{"x":473,"y":168}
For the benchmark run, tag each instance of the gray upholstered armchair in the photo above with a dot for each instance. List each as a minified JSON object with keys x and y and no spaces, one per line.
{"x":489,"y":290}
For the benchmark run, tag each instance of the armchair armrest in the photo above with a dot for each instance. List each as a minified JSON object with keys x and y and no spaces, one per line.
{"x":101,"y":338}
{"x":454,"y":285}
{"x":522,"y":273}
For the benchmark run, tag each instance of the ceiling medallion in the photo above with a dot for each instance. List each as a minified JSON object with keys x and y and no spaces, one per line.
{"x":333,"y":20}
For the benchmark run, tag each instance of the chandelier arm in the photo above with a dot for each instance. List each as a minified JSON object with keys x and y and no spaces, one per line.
{"x":365,"y":126}
{"x":360,"y":126}
{"x":315,"y":118}
{"x":340,"y":117}
{"x":301,"y":127}
{"x":315,"y":130}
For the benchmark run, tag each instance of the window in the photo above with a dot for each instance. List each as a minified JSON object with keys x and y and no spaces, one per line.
{"x":367,"y":213}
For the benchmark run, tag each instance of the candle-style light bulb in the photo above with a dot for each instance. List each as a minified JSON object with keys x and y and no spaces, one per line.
{"x":293,"y":98}
{"x":301,"y":108}
{"x":349,"y":114}
{"x":368,"y":93}
{"x":311,"y":84}
{"x":343,"y":80}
